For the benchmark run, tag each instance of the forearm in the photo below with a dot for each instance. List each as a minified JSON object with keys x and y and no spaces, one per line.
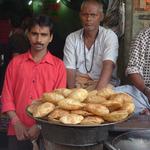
{"x":13,"y":117}
{"x":103,"y":82}
{"x":137,"y":81}
{"x":71,"y":75}
{"x":105,"y":75}
{"x":34,"y":132}
{"x":11,"y":114}
{"x":20,"y":128}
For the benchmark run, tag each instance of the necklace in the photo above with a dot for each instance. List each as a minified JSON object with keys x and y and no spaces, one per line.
{"x":89,"y":70}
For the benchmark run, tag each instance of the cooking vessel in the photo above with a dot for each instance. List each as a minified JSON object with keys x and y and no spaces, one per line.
{"x":74,"y":135}
{"x":134,"y":140}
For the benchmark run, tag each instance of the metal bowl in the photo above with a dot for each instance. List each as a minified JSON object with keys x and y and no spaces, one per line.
{"x":74,"y":135}
{"x":133,"y":140}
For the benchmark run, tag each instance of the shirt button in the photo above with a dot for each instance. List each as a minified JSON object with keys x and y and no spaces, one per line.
{"x":30,"y":97}
{"x":33,"y":81}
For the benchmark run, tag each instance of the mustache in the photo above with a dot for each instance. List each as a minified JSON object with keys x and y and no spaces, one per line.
{"x":38,"y":44}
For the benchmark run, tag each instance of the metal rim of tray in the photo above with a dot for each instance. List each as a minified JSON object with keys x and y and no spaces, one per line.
{"x":76,"y":125}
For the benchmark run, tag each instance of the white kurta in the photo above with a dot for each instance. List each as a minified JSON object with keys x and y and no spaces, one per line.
{"x":106,"y":48}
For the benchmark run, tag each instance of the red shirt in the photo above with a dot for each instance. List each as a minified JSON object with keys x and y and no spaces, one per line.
{"x":26,"y":80}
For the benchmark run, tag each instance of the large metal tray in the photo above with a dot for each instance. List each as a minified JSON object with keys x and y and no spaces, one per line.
{"x":74,"y":135}
{"x":76,"y":125}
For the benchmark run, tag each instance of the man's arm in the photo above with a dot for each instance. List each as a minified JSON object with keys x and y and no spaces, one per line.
{"x":70,"y":60}
{"x":138,"y":82}
{"x":8,"y":104}
{"x":71,"y":76}
{"x":137,"y":61}
{"x":105,"y":75}
{"x":110,"y":55}
{"x":20,"y":129}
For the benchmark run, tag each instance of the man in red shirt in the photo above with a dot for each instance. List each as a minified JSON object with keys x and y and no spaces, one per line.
{"x":29,"y":75}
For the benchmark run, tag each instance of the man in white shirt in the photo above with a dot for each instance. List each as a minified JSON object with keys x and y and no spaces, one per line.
{"x":90,"y":53}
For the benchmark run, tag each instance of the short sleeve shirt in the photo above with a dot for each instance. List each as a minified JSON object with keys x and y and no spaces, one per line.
{"x":139,"y":59}
{"x":106,"y":48}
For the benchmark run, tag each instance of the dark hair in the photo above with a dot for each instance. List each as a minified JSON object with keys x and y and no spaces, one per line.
{"x":42,"y":21}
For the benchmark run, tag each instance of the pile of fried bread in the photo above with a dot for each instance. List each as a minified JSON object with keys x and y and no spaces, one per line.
{"x":78,"y":106}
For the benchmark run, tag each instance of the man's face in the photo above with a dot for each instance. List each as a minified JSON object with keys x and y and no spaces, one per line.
{"x":39,"y":37}
{"x":90,"y":16}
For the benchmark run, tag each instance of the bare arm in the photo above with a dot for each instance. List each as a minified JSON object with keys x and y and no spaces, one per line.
{"x":34,"y":132}
{"x":71,"y":75}
{"x":22,"y":132}
{"x":105,"y":74}
{"x":20,"y":129}
{"x":11,"y":114}
{"x":138,"y":82}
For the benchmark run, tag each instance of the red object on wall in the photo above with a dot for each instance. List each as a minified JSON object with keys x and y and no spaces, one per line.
{"x":54,"y":6}
{"x":5,"y":29}
{"x":147,"y":4}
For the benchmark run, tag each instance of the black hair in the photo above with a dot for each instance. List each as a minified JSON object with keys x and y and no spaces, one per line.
{"x":42,"y":21}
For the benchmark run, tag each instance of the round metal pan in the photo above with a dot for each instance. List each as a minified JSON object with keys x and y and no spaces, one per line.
{"x":76,"y":125}
{"x":74,"y":135}
{"x":134,"y":140}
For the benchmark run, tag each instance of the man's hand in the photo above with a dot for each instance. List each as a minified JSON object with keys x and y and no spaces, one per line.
{"x":147,"y":93}
{"x":146,"y":111}
{"x":34,"y":132}
{"x":71,"y":75}
{"x":21,"y":131}
{"x":106,"y":74}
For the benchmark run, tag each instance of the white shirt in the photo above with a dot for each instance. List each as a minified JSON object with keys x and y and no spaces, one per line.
{"x":106,"y":48}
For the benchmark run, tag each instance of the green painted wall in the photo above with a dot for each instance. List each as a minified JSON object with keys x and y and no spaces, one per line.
{"x":68,"y":20}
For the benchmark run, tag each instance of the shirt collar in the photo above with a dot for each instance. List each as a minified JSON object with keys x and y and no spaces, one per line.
{"x":47,"y":58}
{"x":81,"y":32}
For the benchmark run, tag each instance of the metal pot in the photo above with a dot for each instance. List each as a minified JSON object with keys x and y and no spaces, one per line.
{"x":134,"y":140}
{"x":74,"y":135}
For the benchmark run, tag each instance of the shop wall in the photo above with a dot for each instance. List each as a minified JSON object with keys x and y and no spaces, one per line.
{"x":66,"y":20}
